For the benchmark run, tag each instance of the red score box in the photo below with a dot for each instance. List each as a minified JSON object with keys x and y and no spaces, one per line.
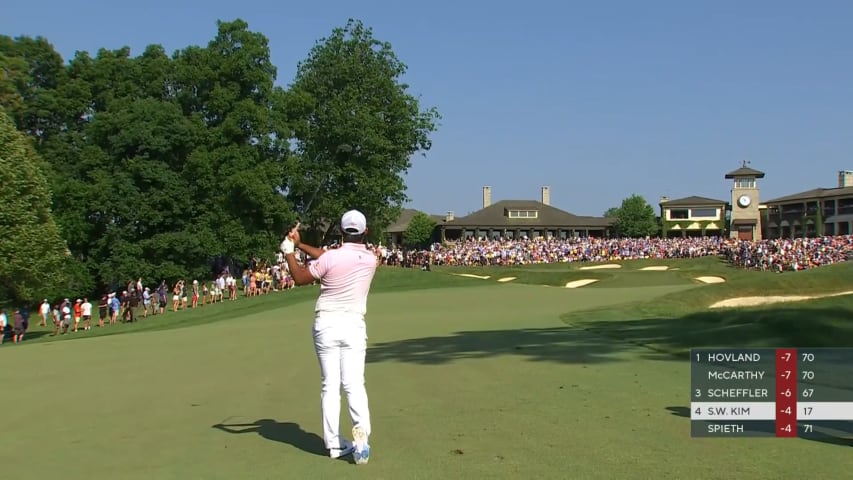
{"x":786,"y":392}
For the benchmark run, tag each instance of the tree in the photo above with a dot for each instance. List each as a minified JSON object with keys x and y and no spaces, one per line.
{"x":419,"y":232}
{"x":33,"y":257}
{"x":356,"y":128}
{"x":612,"y":212}
{"x":636,"y":218}
{"x":30,"y":71}
{"x":12,"y":77}
{"x":239,"y":165}
{"x":161,"y":166}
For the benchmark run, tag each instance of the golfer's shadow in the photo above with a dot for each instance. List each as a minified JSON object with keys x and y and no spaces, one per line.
{"x":289,"y":433}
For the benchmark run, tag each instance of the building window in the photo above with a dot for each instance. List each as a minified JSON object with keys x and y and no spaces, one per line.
{"x":811,"y":208}
{"x":797,"y":209}
{"x":704,"y":213}
{"x":682,"y":214}
{"x":745,"y":182}
{"x":523,"y":214}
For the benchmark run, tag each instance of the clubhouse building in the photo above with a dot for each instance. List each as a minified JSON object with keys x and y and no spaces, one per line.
{"x":693,"y":217}
{"x":509,"y":219}
{"x":815,"y":212}
{"x":812,"y":213}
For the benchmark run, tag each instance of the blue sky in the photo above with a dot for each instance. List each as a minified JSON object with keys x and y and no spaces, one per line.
{"x":598,"y":100}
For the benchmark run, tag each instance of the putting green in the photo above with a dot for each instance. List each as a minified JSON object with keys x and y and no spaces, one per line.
{"x":483,"y":381}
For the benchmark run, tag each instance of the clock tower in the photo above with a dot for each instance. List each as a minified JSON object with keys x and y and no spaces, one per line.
{"x":746,"y":217}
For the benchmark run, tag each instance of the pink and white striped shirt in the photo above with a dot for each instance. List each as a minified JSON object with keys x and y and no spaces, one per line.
{"x":345,"y":276}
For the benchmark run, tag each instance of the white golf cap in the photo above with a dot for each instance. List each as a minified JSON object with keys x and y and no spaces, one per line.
{"x":353,"y":222}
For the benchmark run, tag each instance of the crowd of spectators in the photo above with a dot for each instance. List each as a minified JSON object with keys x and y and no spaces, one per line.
{"x":775,"y":255}
{"x":135,"y":301}
{"x":524,"y":251}
{"x":790,"y":254}
{"x":138,"y":301}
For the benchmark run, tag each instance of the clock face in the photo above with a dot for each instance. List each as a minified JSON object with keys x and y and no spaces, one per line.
{"x":744,"y":201}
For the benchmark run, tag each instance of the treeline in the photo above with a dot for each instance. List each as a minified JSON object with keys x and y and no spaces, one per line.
{"x":160,"y":166}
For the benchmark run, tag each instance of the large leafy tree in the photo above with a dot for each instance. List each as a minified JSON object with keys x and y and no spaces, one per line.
{"x":33,"y":260}
{"x":636,"y":218}
{"x":239,"y":167}
{"x":356,"y":127}
{"x":162,"y":166}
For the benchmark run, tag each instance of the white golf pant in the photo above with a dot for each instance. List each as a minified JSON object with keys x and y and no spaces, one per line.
{"x":340,"y":340}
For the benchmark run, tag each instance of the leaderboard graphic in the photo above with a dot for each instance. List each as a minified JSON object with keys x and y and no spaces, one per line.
{"x":771,"y":392}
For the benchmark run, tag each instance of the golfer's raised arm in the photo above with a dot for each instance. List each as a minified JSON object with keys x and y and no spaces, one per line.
{"x":300,"y":273}
{"x":312,"y":252}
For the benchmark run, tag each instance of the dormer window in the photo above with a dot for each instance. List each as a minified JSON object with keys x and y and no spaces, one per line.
{"x":523,"y":214}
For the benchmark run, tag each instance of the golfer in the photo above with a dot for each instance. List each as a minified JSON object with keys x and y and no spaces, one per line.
{"x":340,"y":332}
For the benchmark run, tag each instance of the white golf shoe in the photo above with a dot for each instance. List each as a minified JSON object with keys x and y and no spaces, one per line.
{"x":361,"y":454}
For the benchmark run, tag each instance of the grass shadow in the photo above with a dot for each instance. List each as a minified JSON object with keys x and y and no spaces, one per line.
{"x":559,"y":345}
{"x":830,"y":439}
{"x":683,"y":412}
{"x":819,"y":324}
{"x":287,"y":432}
{"x":31,"y":335}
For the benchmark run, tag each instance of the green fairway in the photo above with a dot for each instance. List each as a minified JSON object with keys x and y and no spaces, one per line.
{"x":468,"y":378}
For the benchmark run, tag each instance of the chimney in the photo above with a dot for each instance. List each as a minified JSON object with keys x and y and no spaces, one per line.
{"x":845,"y":178}
{"x":487,"y":196}
{"x":449,"y":217}
{"x":546,"y":195}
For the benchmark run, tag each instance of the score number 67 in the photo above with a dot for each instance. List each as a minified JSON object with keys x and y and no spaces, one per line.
{"x":807,"y":393}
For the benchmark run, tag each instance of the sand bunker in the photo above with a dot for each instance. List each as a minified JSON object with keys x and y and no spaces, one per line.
{"x":506,"y":279}
{"x":711,"y":279}
{"x":657,"y":268}
{"x":580,"y":283}
{"x":601,"y":267}
{"x":769,"y":300}
{"x":470,"y":275}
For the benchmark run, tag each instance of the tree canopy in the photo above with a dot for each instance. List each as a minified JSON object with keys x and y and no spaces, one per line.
{"x":611,"y":212}
{"x":419,"y":231}
{"x":33,"y":259}
{"x":635,"y":218}
{"x":168,"y":166}
{"x":356,"y":128}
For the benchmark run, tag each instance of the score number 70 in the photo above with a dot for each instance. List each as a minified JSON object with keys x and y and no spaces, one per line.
{"x":807,"y":374}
